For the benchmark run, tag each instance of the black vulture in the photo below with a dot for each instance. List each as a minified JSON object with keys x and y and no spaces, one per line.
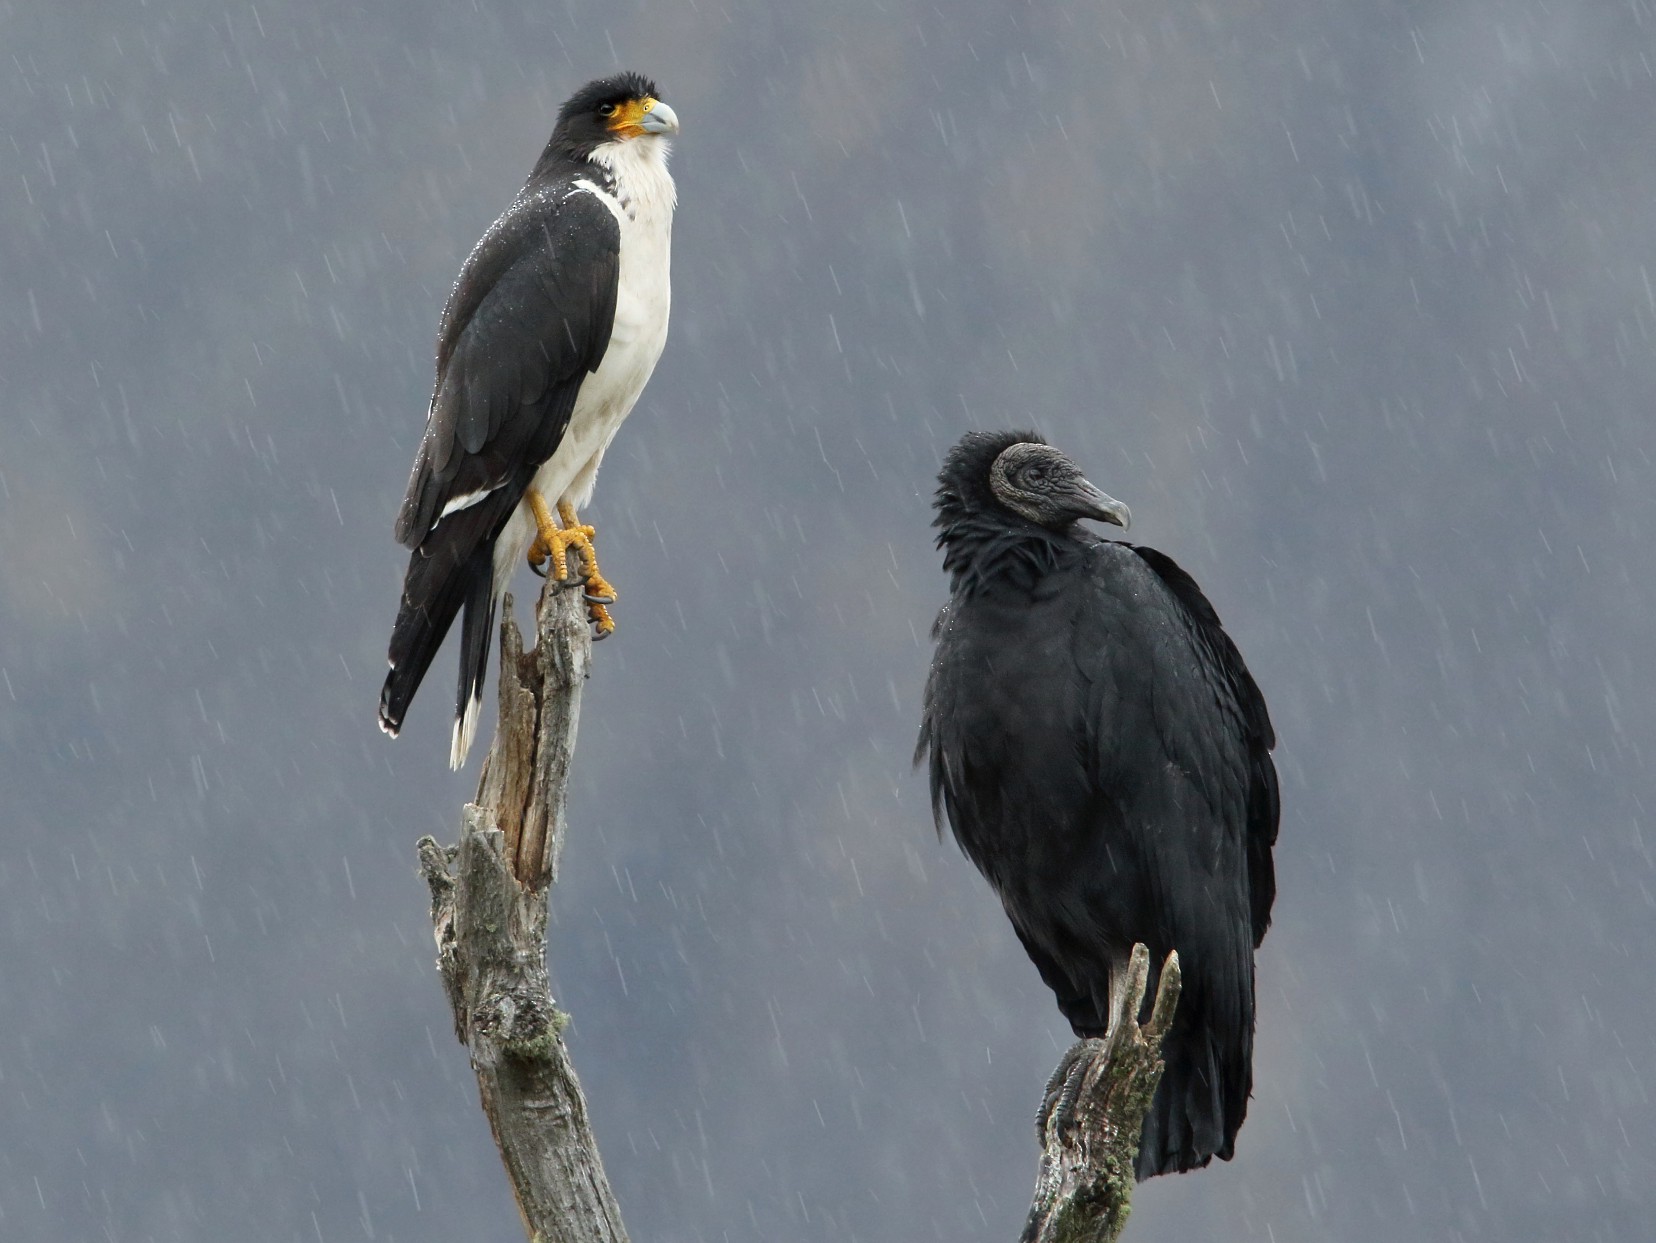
{"x":1102,"y":755}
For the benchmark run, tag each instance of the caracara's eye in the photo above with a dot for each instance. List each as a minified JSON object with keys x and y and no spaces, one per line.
{"x":606,"y":110}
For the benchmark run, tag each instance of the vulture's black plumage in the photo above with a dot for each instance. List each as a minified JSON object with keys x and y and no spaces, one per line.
{"x":1103,"y":756}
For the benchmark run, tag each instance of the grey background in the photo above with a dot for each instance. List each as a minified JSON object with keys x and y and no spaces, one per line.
{"x":1352,"y":303}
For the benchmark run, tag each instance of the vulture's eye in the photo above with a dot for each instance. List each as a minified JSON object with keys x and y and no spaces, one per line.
{"x":1036,"y":474}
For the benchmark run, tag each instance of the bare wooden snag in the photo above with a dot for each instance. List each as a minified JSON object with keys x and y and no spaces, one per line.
{"x":1093,"y":1114}
{"x":489,"y":908}
{"x":488,"y":903}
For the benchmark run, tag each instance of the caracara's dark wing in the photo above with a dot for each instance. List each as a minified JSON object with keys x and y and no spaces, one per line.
{"x":528,"y":321}
{"x":529,"y":318}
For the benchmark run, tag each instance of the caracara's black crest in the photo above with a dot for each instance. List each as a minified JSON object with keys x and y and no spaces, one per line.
{"x":1101,"y":753}
{"x":616,"y":89}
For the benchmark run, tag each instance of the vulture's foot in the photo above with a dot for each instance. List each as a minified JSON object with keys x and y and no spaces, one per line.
{"x":1063,"y":1090}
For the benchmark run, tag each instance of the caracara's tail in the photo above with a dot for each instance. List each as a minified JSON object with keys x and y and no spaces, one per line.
{"x":453,"y":568}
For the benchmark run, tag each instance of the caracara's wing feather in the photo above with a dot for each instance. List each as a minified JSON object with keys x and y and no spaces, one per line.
{"x":529,"y":318}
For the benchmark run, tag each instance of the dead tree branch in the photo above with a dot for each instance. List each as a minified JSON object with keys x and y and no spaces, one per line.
{"x":1093,"y":1113}
{"x":488,"y":903}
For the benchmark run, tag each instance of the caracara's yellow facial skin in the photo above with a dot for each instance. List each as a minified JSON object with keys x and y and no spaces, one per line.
{"x":627,"y":119}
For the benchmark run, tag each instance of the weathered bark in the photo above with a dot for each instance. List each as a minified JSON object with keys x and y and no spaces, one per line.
{"x":1093,"y":1113}
{"x":488,"y":903}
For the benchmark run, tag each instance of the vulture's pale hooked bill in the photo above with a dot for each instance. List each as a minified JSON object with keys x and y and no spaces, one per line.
{"x":549,"y":336}
{"x":1102,"y":755}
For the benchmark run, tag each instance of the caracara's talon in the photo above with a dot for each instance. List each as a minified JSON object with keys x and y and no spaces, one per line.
{"x":598,"y":590}
{"x":555,"y":543}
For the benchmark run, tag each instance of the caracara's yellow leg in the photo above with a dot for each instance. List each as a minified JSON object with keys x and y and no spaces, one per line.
{"x":598,"y":589}
{"x":552,"y":542}
{"x":549,"y":541}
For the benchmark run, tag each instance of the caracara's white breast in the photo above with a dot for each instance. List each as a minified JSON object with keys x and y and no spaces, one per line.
{"x":642,"y":203}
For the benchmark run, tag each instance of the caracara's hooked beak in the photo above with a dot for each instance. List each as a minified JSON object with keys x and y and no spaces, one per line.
{"x":638,"y":117}
{"x":658,"y":118}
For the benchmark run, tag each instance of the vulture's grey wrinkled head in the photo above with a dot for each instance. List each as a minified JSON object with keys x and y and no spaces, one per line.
{"x":1039,"y":483}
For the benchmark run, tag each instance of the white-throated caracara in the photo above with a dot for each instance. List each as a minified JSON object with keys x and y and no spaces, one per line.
{"x":549,"y":336}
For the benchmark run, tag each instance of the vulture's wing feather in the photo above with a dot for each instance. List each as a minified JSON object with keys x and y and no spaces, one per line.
{"x":1238,"y":702}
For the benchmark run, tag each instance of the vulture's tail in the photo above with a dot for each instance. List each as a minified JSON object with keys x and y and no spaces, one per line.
{"x":1203,"y":1095}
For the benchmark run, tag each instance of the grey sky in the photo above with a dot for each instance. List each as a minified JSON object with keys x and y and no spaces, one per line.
{"x":1351,"y":303}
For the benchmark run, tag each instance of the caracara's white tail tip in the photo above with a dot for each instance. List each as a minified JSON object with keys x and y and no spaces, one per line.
{"x":465,"y":729}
